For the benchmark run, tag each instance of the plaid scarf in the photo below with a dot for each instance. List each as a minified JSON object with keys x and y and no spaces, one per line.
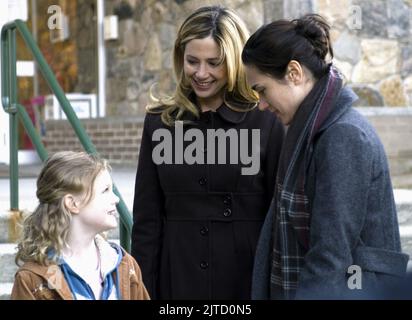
{"x":292,"y":208}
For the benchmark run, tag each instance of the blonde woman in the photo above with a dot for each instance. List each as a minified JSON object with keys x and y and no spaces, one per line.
{"x":63,"y":255}
{"x":200,"y":198}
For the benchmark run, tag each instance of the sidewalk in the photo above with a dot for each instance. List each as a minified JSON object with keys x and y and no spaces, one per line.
{"x":124,"y":179}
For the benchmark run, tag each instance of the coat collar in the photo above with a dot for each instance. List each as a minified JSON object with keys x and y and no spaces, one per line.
{"x":227,"y":111}
{"x":230,"y":115}
{"x":345,"y":101}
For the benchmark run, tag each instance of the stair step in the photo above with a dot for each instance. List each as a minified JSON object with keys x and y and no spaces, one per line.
{"x":403,"y":199}
{"x":406,"y":242}
{"x":10,"y":225}
{"x":5,"y":290}
{"x":11,"y":222}
{"x":7,"y":266}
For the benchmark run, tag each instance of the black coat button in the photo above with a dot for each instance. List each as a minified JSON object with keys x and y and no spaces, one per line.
{"x":227,"y":212}
{"x":204,"y":231}
{"x":227,"y":200}
{"x":202,"y":181}
{"x":204,"y":265}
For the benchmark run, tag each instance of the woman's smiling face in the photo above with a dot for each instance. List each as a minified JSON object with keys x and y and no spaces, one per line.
{"x":203,"y":68}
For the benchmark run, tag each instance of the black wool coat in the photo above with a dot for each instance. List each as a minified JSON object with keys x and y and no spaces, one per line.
{"x":196,"y":226}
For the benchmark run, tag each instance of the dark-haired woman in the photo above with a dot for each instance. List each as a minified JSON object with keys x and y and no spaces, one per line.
{"x":333,"y":225}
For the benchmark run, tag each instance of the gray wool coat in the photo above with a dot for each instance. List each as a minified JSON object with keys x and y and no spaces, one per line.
{"x":353,"y":214}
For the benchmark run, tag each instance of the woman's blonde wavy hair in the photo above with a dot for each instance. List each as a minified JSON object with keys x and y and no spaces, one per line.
{"x":230,"y":34}
{"x":47,"y":227}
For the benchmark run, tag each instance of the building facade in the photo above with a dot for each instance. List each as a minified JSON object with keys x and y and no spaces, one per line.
{"x":372,"y":42}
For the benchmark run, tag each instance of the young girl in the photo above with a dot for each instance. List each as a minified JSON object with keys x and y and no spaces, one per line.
{"x":64,"y":256}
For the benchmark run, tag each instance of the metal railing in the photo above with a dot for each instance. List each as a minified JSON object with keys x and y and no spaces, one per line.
{"x":15,"y":110}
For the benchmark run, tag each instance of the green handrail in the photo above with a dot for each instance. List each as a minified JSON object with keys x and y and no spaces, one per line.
{"x":11,"y":106}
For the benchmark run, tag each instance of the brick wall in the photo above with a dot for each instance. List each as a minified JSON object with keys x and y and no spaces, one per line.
{"x":116,"y":139}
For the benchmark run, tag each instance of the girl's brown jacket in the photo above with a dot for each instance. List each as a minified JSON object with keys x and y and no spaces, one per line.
{"x":36,"y":282}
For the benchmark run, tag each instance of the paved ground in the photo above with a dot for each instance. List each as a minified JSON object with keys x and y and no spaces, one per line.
{"x":124,"y":178}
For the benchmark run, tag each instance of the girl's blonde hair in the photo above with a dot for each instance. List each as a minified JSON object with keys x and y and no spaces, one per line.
{"x":45,"y":230}
{"x":230,"y":34}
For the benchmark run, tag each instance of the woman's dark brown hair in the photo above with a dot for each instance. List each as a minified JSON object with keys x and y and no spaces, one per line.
{"x":306,"y":40}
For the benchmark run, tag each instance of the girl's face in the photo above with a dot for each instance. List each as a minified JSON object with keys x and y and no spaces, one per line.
{"x":201,"y":67}
{"x":282,"y":97}
{"x":100,"y":213}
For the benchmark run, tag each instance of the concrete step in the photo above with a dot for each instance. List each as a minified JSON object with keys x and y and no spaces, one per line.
{"x":401,"y":170}
{"x":10,"y":222}
{"x":403,"y":199}
{"x":11,"y":226}
{"x":403,"y":181}
{"x":406,"y":241}
{"x":5,"y":290}
{"x":7,"y":266}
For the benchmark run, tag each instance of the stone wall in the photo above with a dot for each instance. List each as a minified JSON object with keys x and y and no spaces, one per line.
{"x":142,"y":55}
{"x":373,"y":48}
{"x":62,"y":57}
{"x":374,"y":52}
{"x":86,"y":36}
{"x":73,"y":61}
{"x":371,"y":40}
